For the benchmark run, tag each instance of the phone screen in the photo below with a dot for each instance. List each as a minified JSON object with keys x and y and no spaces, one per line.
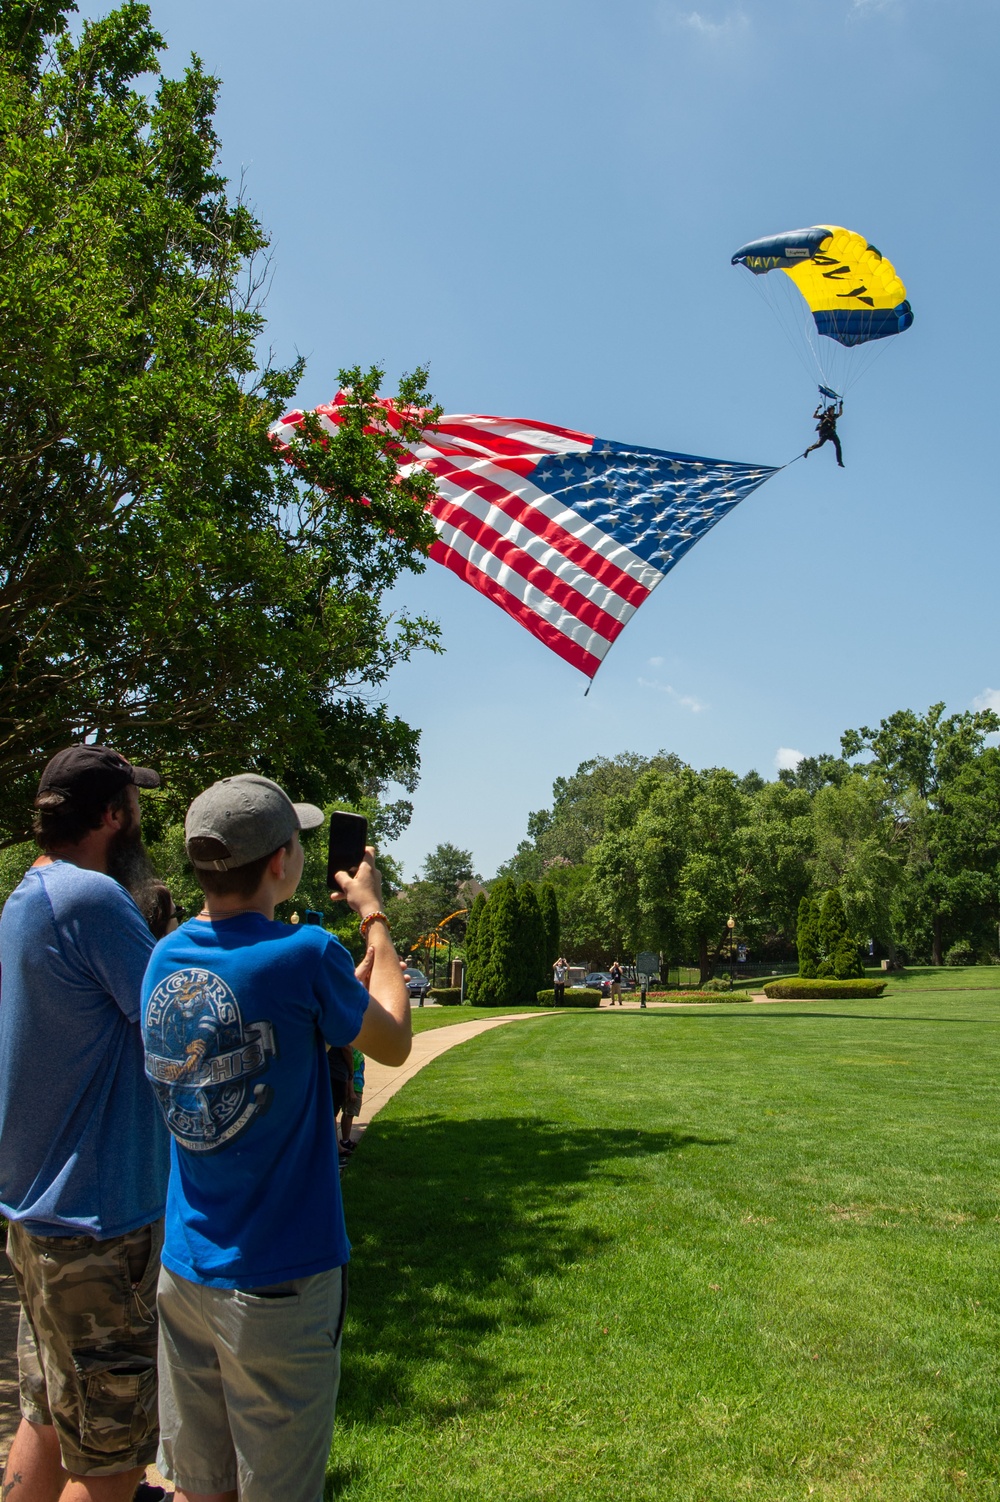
{"x":348,"y":838}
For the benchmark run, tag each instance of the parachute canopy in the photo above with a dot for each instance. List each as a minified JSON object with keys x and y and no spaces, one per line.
{"x":853,"y":292}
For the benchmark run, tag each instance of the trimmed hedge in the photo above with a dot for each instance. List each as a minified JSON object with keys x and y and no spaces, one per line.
{"x":570,"y":999}
{"x":798,"y":988}
{"x":446,"y":996}
{"x":715,"y":997}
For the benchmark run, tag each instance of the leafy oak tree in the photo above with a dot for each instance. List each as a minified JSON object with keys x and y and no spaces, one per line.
{"x":922,"y":759}
{"x":167,"y":582}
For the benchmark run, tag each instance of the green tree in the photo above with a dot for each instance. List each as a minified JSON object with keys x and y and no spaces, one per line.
{"x":832,"y":933}
{"x":862,"y":846}
{"x":565,"y":833}
{"x":807,"y":937}
{"x":533,"y":972}
{"x":447,"y":867}
{"x":475,"y":938}
{"x":549,"y":904}
{"x":499,"y":980}
{"x":921,"y":759}
{"x":167,"y":582}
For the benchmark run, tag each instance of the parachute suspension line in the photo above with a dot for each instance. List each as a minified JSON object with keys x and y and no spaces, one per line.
{"x":788,"y":318}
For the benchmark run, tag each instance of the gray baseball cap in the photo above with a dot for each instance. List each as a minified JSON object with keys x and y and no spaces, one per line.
{"x":240,"y":819}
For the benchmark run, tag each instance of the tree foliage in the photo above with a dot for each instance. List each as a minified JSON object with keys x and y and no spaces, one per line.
{"x":807,"y":937}
{"x":499,"y":976}
{"x":649,"y":853}
{"x":476,"y":945}
{"x":927,"y":762}
{"x":549,"y":903}
{"x":167,"y":582}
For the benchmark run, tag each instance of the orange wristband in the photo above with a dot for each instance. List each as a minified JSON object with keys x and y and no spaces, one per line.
{"x":378,"y":917}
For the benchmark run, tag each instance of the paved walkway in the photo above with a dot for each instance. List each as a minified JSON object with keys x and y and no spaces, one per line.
{"x":381,"y":1084}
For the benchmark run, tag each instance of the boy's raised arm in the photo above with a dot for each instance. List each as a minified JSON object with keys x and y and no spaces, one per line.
{"x":386,"y":1032}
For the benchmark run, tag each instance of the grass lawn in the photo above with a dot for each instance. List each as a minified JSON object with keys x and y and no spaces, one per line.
{"x":941,"y":978}
{"x":683,"y":1256}
{"x":424,"y":1018}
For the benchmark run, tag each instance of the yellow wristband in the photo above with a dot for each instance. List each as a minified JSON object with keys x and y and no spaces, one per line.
{"x":366,"y":923}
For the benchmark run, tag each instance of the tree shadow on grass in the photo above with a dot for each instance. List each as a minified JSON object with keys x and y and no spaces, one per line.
{"x":453,"y":1223}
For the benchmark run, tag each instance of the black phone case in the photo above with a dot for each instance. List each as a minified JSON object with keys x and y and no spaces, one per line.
{"x":348,"y":838}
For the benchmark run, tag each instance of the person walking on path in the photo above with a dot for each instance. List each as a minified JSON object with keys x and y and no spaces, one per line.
{"x":238,"y":1011}
{"x":560,"y":973}
{"x":83,"y":1152}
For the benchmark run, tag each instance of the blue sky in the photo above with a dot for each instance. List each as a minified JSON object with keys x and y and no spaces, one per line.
{"x":541,"y":199}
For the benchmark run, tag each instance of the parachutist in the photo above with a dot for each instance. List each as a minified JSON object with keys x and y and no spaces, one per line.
{"x":827,"y":429}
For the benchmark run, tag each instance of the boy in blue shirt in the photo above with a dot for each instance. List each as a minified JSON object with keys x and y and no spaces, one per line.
{"x":237,"y":1012}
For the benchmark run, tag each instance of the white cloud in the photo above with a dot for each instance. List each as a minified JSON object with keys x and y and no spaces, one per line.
{"x":656,"y":662}
{"x":686,"y":701}
{"x":726,"y":29}
{"x":786,"y":760}
{"x":988,"y":699}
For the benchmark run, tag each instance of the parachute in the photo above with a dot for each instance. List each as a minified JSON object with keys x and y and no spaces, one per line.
{"x":851,"y":297}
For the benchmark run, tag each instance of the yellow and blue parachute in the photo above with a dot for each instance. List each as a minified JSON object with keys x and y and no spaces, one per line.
{"x":853,"y":295}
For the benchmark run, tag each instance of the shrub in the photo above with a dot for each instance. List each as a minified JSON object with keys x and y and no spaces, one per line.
{"x":446,"y":996}
{"x":570,"y":999}
{"x":703,"y":995}
{"x":717,"y":983}
{"x":499,"y":970}
{"x":807,"y":936}
{"x":477,"y":945}
{"x":801,"y":988}
{"x":960,"y":954}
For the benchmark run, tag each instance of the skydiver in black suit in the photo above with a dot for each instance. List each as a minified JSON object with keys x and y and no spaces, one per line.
{"x":827,"y":429}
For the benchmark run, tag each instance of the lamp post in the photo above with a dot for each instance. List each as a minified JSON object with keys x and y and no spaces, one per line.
{"x":731,"y":925}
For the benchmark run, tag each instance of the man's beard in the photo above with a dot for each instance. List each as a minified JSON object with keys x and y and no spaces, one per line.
{"x":129,"y":864}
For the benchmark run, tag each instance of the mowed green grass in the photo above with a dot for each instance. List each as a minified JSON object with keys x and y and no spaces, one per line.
{"x":724,"y":1253}
{"x":427,"y":1018}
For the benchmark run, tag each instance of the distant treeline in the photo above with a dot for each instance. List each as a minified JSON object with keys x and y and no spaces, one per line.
{"x":648,"y":853}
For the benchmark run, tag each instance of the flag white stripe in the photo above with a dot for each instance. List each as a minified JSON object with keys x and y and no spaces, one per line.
{"x":557,"y":511}
{"x":538,"y":603}
{"x":536,"y":548}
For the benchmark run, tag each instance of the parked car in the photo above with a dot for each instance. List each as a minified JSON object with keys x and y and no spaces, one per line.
{"x":598,"y":980}
{"x":417,"y":983}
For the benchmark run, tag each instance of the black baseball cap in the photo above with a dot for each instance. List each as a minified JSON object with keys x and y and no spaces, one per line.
{"x":90,"y":776}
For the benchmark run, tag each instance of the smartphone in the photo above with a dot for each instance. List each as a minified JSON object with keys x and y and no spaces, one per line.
{"x":348,"y":838}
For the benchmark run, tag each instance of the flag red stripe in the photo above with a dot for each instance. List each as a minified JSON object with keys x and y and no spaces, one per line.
{"x":536,"y":624}
{"x":602,"y":569}
{"x":543,"y":579}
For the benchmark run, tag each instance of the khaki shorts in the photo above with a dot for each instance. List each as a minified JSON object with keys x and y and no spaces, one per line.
{"x":248,"y":1385}
{"x":86,"y":1344}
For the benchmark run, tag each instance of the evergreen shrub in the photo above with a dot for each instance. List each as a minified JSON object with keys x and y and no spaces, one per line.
{"x":570,"y":999}
{"x":803,"y":988}
{"x":446,"y":996}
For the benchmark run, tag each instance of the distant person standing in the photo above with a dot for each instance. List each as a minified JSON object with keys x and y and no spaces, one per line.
{"x":83,"y":1151}
{"x":354,"y":1102}
{"x":560,"y":974}
{"x":616,"y":983}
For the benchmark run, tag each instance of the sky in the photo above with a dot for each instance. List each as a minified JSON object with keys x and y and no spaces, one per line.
{"x":540,"y":200}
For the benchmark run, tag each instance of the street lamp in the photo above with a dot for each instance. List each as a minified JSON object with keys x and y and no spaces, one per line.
{"x":731,"y":925}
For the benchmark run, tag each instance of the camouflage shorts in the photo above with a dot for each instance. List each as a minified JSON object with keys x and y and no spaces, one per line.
{"x":86,"y":1344}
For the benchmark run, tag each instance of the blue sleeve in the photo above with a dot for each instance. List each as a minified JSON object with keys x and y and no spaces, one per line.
{"x":113,"y":940}
{"x":342,"y":998}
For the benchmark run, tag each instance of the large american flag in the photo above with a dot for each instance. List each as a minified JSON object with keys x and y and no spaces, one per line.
{"x":566,"y":532}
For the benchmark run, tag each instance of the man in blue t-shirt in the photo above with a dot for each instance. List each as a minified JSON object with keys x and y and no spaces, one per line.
{"x":237,"y":1015}
{"x":83,"y":1152}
